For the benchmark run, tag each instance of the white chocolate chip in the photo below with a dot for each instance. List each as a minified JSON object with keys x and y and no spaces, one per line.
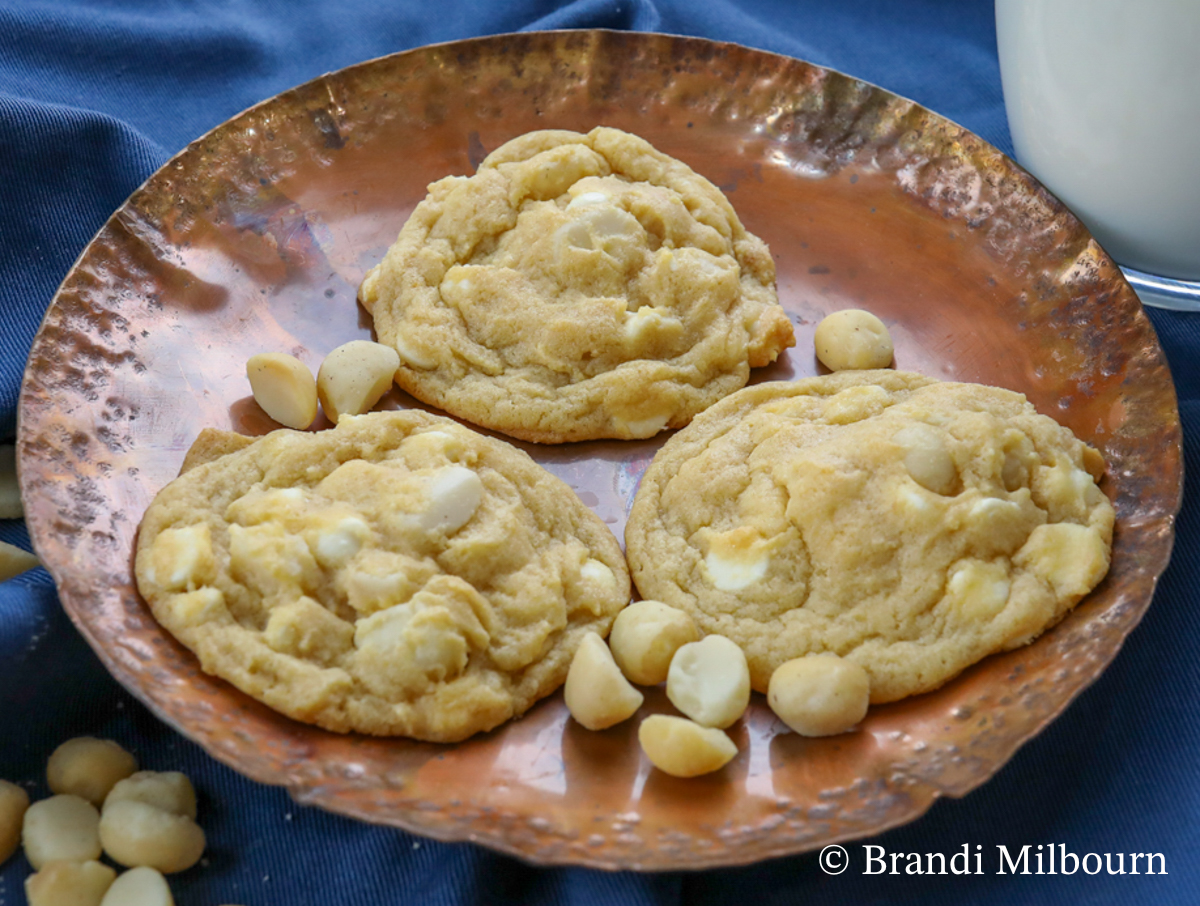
{"x":354,"y":376}
{"x":412,"y":355}
{"x":681,"y":748}
{"x":596,"y":693}
{"x":819,"y":695}
{"x":646,"y":636}
{"x":454,"y":495}
{"x":709,"y":681}
{"x":284,"y":387}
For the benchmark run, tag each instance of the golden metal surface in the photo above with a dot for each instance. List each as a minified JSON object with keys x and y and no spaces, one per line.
{"x":255,"y":237}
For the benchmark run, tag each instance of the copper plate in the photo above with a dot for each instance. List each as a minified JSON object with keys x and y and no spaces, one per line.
{"x":255,"y":238}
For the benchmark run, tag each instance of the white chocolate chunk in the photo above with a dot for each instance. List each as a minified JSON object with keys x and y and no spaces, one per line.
{"x":306,"y":629}
{"x":638,"y":428}
{"x":284,"y":387}
{"x":853,"y":339}
{"x":585,"y":198}
{"x":354,"y":376}
{"x":196,"y":608}
{"x":139,"y":887}
{"x":737,"y":558}
{"x":88,"y":767}
{"x":13,"y":803}
{"x":182,"y":558}
{"x":648,"y":325}
{"x":709,"y":681}
{"x":646,"y":636}
{"x":597,"y":694}
{"x":979,"y":589}
{"x":337,"y":544}
{"x":820,"y":694}
{"x":69,"y":884}
{"x":61,"y":828}
{"x":681,"y":748}
{"x":454,"y":495}
{"x":1070,"y":558}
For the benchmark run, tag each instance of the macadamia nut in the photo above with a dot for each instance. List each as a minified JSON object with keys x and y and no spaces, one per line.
{"x":284,"y":387}
{"x":682,"y":748}
{"x":820,"y":694}
{"x":136,"y":834}
{"x":853,"y":339}
{"x":13,"y":803}
{"x":69,"y":884}
{"x":597,"y":694}
{"x":139,"y":887}
{"x":709,"y":681}
{"x":10,"y":490}
{"x":88,"y":767}
{"x":646,"y":636}
{"x":170,"y":791}
{"x":354,"y":376}
{"x":61,"y":828}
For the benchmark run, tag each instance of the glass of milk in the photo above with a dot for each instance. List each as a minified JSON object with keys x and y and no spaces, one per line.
{"x":1103,"y":101}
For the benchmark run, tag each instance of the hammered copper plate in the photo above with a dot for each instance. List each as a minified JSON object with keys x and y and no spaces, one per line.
{"x":255,"y":238}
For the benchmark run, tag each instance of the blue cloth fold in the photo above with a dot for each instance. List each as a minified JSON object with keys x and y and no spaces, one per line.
{"x":95,"y":96}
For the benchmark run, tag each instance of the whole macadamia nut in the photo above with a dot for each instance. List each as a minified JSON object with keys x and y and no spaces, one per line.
{"x":69,"y":884}
{"x":136,"y":834}
{"x":139,"y":887}
{"x":596,"y":692}
{"x":13,"y":803}
{"x":61,"y":828}
{"x":853,"y":339}
{"x":709,"y":681}
{"x":170,"y":791}
{"x":88,"y":767}
{"x":646,"y":636}
{"x":683,"y":748}
{"x":820,"y":694}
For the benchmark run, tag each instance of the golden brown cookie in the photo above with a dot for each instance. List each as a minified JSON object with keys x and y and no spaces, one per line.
{"x":396,"y":575}
{"x":911,"y":526}
{"x":576,"y":287}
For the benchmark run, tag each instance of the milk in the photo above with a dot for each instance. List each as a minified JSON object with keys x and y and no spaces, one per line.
{"x":1103,"y":101}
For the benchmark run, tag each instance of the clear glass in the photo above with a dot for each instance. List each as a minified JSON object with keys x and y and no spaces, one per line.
{"x":1103,"y":101}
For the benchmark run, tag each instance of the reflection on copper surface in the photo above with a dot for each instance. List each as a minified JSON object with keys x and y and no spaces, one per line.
{"x":255,"y":238}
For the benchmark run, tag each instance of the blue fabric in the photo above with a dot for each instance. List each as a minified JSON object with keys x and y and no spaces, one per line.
{"x":94,"y":96}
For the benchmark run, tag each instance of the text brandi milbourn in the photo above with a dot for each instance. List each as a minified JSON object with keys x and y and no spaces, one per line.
{"x":1042,"y":859}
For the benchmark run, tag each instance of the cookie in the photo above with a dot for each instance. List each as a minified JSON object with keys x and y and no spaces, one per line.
{"x":576,"y":287}
{"x":396,"y":575}
{"x":910,"y":526}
